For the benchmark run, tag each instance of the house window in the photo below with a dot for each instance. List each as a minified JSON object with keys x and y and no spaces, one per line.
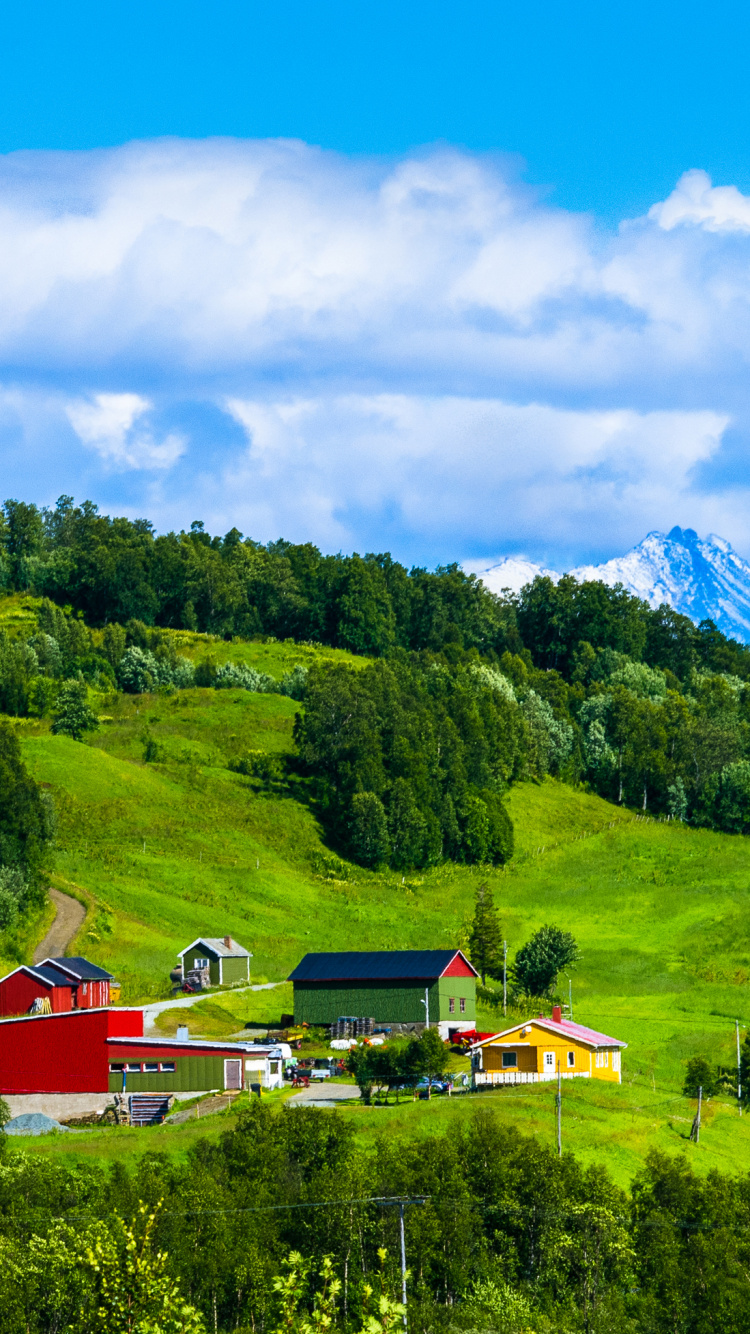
{"x":451,"y":1005}
{"x":615,"y":1060}
{"x":167,"y":1067}
{"x":150,"y":1067}
{"x":200,"y":963}
{"x":602,"y":1059}
{"x":510,"y":1059}
{"x":571,"y":1058}
{"x":462,"y":1004}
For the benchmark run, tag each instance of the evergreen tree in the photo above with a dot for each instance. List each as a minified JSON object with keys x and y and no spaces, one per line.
{"x":486,"y":939}
{"x":73,"y":717}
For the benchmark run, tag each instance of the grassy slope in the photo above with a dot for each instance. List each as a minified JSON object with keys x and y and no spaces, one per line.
{"x":661,"y":912}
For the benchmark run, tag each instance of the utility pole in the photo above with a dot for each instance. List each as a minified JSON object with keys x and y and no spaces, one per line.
{"x":695,"y":1132}
{"x":505,"y":978}
{"x":738,"y":1069}
{"x":402,"y":1203}
{"x":570,"y":997}
{"x":403,"y":1258}
{"x":426,"y":1003}
{"x":558,"y":1105}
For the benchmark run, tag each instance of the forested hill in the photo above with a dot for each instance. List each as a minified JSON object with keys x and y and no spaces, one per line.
{"x":464,"y":693}
{"x":115,"y":570}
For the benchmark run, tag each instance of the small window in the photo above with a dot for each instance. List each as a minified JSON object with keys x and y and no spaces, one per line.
{"x":571,"y":1058}
{"x":510,"y":1059}
{"x":451,"y":1005}
{"x":116,"y":1068}
{"x":85,"y":988}
{"x":200,"y":963}
{"x":133,"y":1067}
{"x":150,"y":1067}
{"x":463,"y":1005}
{"x":167,"y":1067}
{"x":615,"y":1060}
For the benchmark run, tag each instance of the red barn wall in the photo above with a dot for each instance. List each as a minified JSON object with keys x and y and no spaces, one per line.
{"x":65,"y":1053}
{"x":19,"y":990}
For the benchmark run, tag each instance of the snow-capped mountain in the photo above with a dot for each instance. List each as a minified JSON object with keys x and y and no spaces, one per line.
{"x":700,"y":577}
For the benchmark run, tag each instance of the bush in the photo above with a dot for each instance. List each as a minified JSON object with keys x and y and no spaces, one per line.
{"x":540,"y":960}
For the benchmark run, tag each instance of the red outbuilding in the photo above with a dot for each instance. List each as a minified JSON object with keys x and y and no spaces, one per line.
{"x":54,"y":986}
{"x":91,"y":982}
{"x":39,"y":987}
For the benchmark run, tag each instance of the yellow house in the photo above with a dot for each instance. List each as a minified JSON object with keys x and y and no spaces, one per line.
{"x":540,"y":1048}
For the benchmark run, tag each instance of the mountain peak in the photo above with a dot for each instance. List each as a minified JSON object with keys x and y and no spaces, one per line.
{"x":703,"y":578}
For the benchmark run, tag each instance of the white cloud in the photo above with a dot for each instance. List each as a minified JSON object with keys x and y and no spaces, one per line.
{"x":109,"y":424}
{"x":441,"y":468}
{"x":422,"y":349}
{"x":694,"y":199}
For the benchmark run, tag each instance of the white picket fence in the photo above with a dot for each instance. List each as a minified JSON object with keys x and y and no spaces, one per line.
{"x":524,"y":1076}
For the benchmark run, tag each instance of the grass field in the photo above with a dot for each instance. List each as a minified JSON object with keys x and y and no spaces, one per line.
{"x":164,"y":852}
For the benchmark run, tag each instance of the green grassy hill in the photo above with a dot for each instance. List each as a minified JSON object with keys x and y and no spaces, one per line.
{"x":163,"y":852}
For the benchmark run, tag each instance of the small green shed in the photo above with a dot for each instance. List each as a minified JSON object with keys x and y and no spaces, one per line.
{"x":227,"y":962}
{"x":389,"y":986}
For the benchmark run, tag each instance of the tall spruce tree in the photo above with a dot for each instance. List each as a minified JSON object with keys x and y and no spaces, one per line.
{"x":485,"y":939}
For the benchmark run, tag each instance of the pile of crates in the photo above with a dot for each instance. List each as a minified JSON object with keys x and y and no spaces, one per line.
{"x":352,"y":1028}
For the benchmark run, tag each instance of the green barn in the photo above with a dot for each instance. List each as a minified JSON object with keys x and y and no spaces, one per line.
{"x":226,"y":962}
{"x":389,"y":986}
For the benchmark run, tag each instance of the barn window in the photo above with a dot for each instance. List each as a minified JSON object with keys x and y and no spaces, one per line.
{"x":116,"y":1068}
{"x":451,"y":1005}
{"x":463,"y":1005}
{"x":133,"y":1067}
{"x":571,"y":1058}
{"x":510,"y":1059}
{"x":150,"y":1067}
{"x":167,"y":1067}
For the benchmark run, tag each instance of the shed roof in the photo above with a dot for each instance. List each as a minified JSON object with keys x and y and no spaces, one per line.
{"x":42,"y":973}
{"x":376,"y":966}
{"x":217,"y":945}
{"x":564,"y":1028}
{"x":80,"y":968}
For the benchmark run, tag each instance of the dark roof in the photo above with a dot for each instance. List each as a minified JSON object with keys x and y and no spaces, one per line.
{"x":51,"y":975}
{"x":373,"y":966}
{"x":82,"y":968}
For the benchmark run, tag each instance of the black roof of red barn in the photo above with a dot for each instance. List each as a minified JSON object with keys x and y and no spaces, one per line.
{"x":89,"y":972}
{"x":376,"y":966}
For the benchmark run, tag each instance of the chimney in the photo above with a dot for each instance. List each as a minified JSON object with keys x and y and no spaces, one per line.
{"x":183,"y":1033}
{"x":228,"y":942}
{"x":556,"y":1014}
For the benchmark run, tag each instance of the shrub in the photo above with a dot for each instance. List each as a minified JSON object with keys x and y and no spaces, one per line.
{"x":699,"y":1075}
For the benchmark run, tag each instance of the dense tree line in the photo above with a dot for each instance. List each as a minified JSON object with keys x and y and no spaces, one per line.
{"x":467,"y":693}
{"x":508,"y":1236}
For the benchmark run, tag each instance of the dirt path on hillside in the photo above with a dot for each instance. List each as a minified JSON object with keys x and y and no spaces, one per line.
{"x":69,"y":919}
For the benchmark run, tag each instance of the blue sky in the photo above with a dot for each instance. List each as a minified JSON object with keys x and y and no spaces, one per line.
{"x":451,"y":280}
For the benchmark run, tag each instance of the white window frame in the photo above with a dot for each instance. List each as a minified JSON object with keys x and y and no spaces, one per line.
{"x":201,"y":963}
{"x":616,"y":1061}
{"x":167,"y":1067}
{"x":451,"y":1005}
{"x":571,"y":1059}
{"x":150,"y":1067}
{"x":462,"y":1004}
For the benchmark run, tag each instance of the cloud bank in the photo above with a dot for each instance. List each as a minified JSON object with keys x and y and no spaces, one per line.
{"x":421,"y":354}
